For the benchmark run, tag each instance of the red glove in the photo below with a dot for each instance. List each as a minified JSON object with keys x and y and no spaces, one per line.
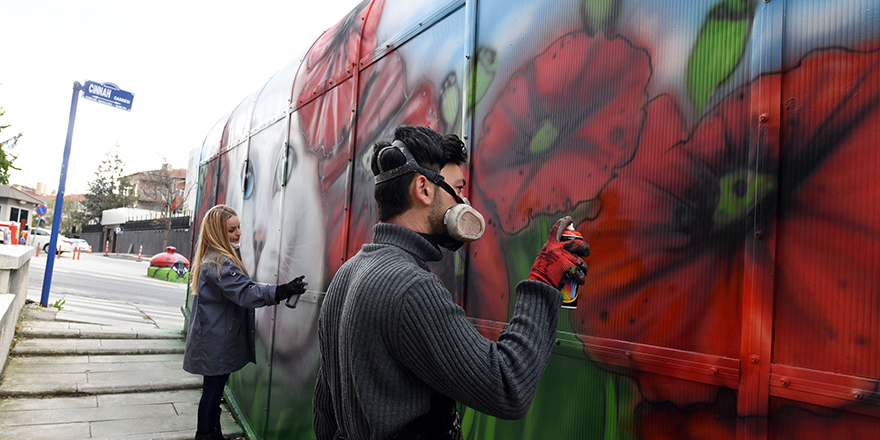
{"x":560,"y":261}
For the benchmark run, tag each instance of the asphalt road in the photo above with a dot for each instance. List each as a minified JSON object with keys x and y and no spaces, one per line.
{"x":116,"y":278}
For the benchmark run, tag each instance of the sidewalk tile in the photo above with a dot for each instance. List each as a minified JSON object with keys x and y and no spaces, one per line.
{"x":96,"y":414}
{"x":36,"y":389}
{"x":37,"y":323}
{"x":39,"y":360}
{"x":175,"y":397}
{"x":137,"y":358}
{"x":48,"y":403}
{"x":66,"y":431}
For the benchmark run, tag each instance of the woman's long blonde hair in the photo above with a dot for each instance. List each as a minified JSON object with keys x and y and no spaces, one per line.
{"x":214,"y":236}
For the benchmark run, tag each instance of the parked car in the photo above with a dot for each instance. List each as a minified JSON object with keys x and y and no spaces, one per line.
{"x":82,"y":245}
{"x":39,"y":237}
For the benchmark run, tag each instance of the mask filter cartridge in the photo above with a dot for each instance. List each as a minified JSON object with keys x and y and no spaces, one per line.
{"x":464,"y":223}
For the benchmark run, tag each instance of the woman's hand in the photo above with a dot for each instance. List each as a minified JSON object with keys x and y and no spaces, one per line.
{"x":294,"y":287}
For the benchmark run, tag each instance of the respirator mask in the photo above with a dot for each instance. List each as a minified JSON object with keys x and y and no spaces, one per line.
{"x":235,"y":246}
{"x":463,"y":222}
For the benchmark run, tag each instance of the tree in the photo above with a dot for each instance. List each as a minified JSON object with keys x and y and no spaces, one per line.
{"x":110,"y":189}
{"x":6,"y":158}
{"x":73,"y":216}
{"x":165,"y":191}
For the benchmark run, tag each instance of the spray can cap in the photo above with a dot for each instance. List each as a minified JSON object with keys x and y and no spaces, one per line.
{"x":570,"y":233}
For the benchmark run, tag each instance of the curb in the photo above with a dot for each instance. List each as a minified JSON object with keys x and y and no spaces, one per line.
{"x":43,"y":333}
{"x":57,"y":347}
{"x":89,"y":389}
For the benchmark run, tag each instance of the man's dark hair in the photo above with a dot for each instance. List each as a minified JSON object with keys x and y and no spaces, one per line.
{"x":430,"y":149}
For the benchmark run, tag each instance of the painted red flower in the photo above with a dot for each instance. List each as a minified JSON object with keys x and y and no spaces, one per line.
{"x":669,"y":245}
{"x":386,"y":101}
{"x":561,"y":127}
{"x":418,"y":108}
{"x":554,"y":137}
{"x":325,"y":74}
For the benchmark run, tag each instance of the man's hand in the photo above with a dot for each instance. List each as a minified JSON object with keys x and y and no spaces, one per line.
{"x":560,"y":261}
{"x":295,"y":287}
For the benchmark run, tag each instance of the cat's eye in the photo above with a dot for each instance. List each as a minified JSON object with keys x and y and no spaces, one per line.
{"x":248,"y":175}
{"x":288,"y":162}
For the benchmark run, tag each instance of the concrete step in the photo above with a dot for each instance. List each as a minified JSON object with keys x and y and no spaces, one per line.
{"x":37,"y":330}
{"x":67,"y":375}
{"x":166,"y":415}
{"x":61,"y":347}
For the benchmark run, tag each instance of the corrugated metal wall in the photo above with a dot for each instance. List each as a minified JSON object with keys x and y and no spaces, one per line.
{"x":718,"y":155}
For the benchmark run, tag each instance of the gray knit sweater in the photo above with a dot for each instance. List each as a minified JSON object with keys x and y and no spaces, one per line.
{"x":392,"y":339}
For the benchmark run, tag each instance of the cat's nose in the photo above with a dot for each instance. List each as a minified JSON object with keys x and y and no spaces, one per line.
{"x":259,"y":243}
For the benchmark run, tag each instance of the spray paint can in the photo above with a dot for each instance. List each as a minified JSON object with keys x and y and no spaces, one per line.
{"x":569,"y":288}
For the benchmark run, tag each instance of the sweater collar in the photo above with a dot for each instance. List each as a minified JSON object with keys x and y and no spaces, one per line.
{"x":406,"y":239}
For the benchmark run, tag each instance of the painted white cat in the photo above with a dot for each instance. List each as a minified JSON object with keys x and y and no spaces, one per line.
{"x":283,"y":237}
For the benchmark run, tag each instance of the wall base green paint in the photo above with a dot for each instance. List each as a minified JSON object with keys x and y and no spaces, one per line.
{"x":238,"y":414}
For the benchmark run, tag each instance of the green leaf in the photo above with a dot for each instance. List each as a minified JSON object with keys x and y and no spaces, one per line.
{"x":719,"y":48}
{"x":612,"y":431}
{"x":450,"y":101}
{"x":739,"y":192}
{"x":482,"y":70}
{"x":545,"y":137}
{"x":597,"y":13}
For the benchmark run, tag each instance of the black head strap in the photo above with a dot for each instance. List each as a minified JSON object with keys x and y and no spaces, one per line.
{"x":411,"y":166}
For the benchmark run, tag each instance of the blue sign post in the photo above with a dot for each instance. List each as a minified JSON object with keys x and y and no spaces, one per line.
{"x":106,"y":93}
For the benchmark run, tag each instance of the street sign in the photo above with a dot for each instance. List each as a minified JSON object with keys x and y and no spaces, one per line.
{"x":41,"y":210}
{"x":108,"y":93}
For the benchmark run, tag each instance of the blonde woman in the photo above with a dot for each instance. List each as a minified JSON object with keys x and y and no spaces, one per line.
{"x":220,"y":339}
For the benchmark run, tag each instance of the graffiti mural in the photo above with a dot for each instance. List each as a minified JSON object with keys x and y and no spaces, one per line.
{"x":718,"y":155}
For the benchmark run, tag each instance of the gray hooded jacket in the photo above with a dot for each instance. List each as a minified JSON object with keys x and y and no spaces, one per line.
{"x":220,"y":339}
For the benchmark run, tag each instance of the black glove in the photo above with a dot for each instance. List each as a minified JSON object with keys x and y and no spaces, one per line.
{"x":295,"y":287}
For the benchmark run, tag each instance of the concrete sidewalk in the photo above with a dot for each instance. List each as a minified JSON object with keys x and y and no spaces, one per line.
{"x":100,"y":370}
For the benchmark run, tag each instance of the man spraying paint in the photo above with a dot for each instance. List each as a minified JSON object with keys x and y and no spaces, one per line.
{"x":396,"y":351}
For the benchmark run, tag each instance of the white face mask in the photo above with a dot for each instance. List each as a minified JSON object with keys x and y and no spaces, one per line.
{"x":463,"y":222}
{"x":235,"y":246}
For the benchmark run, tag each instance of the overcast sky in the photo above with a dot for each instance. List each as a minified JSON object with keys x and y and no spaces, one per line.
{"x":188,"y":63}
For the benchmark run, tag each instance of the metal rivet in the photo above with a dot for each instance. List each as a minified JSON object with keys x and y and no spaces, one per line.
{"x":785,"y":382}
{"x":764,"y":117}
{"x":754,"y":359}
{"x":714,"y":371}
{"x":558,"y":342}
{"x":628,"y":355}
{"x":858,"y":394}
{"x":759,"y":234}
